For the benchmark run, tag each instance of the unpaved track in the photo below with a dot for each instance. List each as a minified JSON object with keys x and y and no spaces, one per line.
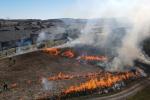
{"x":126,"y":93}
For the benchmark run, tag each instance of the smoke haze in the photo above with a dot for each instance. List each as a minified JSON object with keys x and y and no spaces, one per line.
{"x":132,"y":15}
{"x":122,"y":26}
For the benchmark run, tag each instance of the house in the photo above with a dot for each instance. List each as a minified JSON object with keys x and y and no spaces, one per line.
{"x":9,"y":39}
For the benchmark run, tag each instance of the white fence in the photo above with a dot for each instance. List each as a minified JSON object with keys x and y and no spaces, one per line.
{"x":24,"y":49}
{"x":17,"y":51}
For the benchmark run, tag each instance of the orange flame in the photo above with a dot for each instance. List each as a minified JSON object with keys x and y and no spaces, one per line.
{"x":52,"y":51}
{"x":28,"y":81}
{"x":68,"y":54}
{"x":57,"y":51}
{"x":14,"y":85}
{"x":93,"y":58}
{"x":107,"y":81}
{"x":62,"y":76}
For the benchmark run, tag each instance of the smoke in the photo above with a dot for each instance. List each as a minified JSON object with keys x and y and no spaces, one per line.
{"x":42,"y":36}
{"x":130,"y":49}
{"x":132,"y":16}
{"x":47,"y":85}
{"x":24,"y":45}
{"x":51,"y":33}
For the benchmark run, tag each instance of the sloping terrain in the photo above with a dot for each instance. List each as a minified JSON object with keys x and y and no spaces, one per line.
{"x":23,"y":73}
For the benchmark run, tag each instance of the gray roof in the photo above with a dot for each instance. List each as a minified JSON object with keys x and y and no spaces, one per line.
{"x":14,"y":35}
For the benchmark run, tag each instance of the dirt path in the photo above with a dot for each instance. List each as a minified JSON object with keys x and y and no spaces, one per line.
{"x":126,"y":93}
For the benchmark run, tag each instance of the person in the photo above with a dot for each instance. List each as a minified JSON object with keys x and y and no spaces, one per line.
{"x":14,"y":61}
{"x":5,"y":86}
{"x":10,"y":59}
{"x":6,"y":53}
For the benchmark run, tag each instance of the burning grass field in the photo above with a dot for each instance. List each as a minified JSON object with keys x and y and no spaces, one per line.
{"x":58,"y":74}
{"x":24,"y":77}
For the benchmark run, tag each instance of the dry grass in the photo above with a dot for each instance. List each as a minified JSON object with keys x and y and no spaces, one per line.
{"x":33,"y":66}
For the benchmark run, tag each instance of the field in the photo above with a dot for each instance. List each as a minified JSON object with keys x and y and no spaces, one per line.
{"x":24,"y":76}
{"x":50,"y":72}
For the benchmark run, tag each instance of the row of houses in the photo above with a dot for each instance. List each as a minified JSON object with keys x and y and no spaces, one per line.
{"x":19,"y":32}
{"x":11,"y":39}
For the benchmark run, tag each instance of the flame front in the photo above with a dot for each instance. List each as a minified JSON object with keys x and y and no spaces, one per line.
{"x":52,"y":51}
{"x":95,"y":80}
{"x":100,"y":82}
{"x":14,"y":85}
{"x":62,"y":76}
{"x":93,"y":58}
{"x":68,"y":54}
{"x":57,"y":51}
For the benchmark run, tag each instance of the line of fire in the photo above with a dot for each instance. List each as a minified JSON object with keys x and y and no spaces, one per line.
{"x":100,"y":82}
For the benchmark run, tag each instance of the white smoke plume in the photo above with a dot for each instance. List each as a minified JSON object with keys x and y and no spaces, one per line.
{"x":130,"y":49}
{"x":47,"y":85}
{"x":50,"y":33}
{"x":133,"y":14}
{"x":41,"y":37}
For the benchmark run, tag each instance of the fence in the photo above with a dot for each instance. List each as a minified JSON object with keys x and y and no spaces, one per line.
{"x":17,"y":50}
{"x":28,"y":48}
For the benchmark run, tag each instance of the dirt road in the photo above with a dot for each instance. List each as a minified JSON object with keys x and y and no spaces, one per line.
{"x":126,"y":93}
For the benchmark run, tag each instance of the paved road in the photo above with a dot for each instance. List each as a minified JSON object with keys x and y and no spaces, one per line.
{"x":126,"y":93}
